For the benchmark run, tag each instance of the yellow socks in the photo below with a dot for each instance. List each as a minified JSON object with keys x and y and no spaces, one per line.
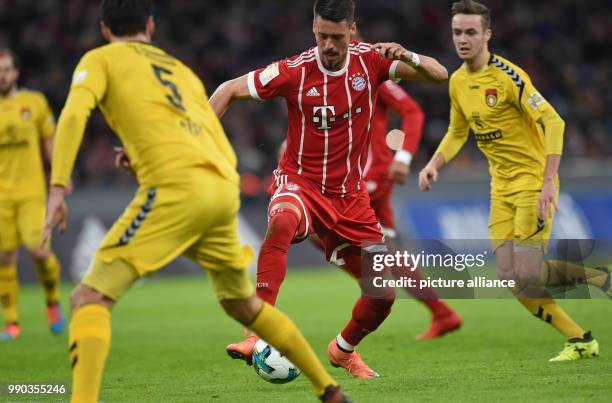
{"x":48,"y":272}
{"x":278,"y":330}
{"x":89,"y":342}
{"x":550,"y":312}
{"x":9,"y":293}
{"x":559,"y":273}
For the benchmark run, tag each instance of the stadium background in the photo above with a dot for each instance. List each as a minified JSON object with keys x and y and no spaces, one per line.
{"x":564,"y":46}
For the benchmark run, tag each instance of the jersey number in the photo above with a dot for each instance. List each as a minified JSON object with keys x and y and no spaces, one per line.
{"x":175,"y":99}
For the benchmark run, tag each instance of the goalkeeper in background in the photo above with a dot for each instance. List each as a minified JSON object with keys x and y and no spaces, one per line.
{"x":521,"y":135}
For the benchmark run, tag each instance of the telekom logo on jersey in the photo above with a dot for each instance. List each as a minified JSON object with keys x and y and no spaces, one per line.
{"x":327,"y":114}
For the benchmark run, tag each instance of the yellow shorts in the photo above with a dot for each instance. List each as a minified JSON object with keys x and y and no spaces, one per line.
{"x":22,"y":222}
{"x":515,"y":218}
{"x":196,"y":218}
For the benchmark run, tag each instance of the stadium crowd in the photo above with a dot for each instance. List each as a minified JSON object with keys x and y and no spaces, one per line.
{"x":563,"y":45}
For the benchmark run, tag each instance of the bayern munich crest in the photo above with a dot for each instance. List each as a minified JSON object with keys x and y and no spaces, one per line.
{"x":358,"y":82}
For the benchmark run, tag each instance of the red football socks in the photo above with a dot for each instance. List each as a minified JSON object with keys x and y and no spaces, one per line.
{"x":272,"y":263}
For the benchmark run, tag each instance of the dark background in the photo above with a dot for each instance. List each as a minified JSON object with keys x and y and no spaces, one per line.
{"x":564,"y":46}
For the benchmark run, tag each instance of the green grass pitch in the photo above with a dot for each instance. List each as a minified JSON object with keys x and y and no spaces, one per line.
{"x":169,"y":338}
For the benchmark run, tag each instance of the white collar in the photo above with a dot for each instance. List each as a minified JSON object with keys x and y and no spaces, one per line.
{"x":333,"y":73}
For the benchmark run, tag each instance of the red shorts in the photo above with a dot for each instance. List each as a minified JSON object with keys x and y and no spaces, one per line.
{"x":380,"y":200}
{"x":338,"y":221}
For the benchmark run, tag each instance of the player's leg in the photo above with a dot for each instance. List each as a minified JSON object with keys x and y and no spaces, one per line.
{"x":514,"y":266}
{"x":444,"y":319}
{"x":559,"y":272}
{"x":531,"y":239}
{"x":369,"y":312}
{"x":567,"y":269}
{"x":278,"y":330}
{"x":220,"y":252}
{"x":521,"y":265}
{"x":9,"y":295}
{"x":284,"y":219}
{"x":9,"y":285}
{"x":48,"y":271}
{"x":31,"y":219}
{"x":157,"y":226}
{"x":90,"y":324}
{"x":352,"y":244}
{"x":535,"y":299}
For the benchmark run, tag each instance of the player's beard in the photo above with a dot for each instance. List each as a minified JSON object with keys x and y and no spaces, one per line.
{"x":6,"y":89}
{"x":335,"y":64}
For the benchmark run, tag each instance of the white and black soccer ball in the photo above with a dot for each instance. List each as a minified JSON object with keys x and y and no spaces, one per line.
{"x":271,"y":366}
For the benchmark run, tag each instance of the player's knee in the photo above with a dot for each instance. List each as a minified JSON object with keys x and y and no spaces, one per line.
{"x":525,"y":274}
{"x":505,"y":271}
{"x":84,"y":295}
{"x":285,"y":206}
{"x":8,"y":258}
{"x":282,"y":225}
{"x":242,"y":310}
{"x":527,"y":268}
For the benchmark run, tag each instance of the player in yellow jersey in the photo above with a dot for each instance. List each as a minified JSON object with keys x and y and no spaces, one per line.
{"x":26,"y":123}
{"x":521,"y":135}
{"x":187,"y":202}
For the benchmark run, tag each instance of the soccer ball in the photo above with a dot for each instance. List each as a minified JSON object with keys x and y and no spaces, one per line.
{"x":271,"y":366}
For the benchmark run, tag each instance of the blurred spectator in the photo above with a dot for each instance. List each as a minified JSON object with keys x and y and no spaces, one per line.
{"x":563,"y":44}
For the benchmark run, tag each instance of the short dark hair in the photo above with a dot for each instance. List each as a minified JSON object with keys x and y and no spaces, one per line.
{"x":126,"y":17}
{"x":9,"y":53}
{"x":472,"y":7}
{"x":335,"y":10}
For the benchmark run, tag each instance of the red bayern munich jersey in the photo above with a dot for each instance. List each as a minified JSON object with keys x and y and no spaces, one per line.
{"x":329,"y":112}
{"x":392,"y":97}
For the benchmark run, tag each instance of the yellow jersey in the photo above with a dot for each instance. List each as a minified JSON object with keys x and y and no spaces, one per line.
{"x":507,"y":115}
{"x":25,"y":120}
{"x":155,"y":104}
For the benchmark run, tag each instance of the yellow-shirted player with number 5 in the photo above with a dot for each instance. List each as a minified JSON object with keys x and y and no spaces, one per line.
{"x":27,"y":125}
{"x":521,"y":135}
{"x":187,"y":202}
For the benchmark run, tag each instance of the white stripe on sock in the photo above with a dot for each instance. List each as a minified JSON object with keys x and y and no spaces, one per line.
{"x":344,"y":344}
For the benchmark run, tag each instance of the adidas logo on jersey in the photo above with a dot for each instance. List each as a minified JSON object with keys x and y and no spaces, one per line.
{"x":313,"y":92}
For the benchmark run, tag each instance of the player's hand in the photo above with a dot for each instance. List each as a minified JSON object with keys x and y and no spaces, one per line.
{"x":69,"y":187}
{"x":57,"y":212}
{"x":547,"y":203}
{"x":399,"y":172}
{"x":427,"y":173}
{"x":393,"y":51}
{"x":122,"y":161}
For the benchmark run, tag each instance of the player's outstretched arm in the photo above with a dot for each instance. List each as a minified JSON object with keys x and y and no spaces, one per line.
{"x":228,"y":92}
{"x":414,"y":67}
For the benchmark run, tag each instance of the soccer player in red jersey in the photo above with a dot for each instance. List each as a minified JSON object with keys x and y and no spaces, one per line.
{"x":330,"y":91}
{"x":382,"y":171}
